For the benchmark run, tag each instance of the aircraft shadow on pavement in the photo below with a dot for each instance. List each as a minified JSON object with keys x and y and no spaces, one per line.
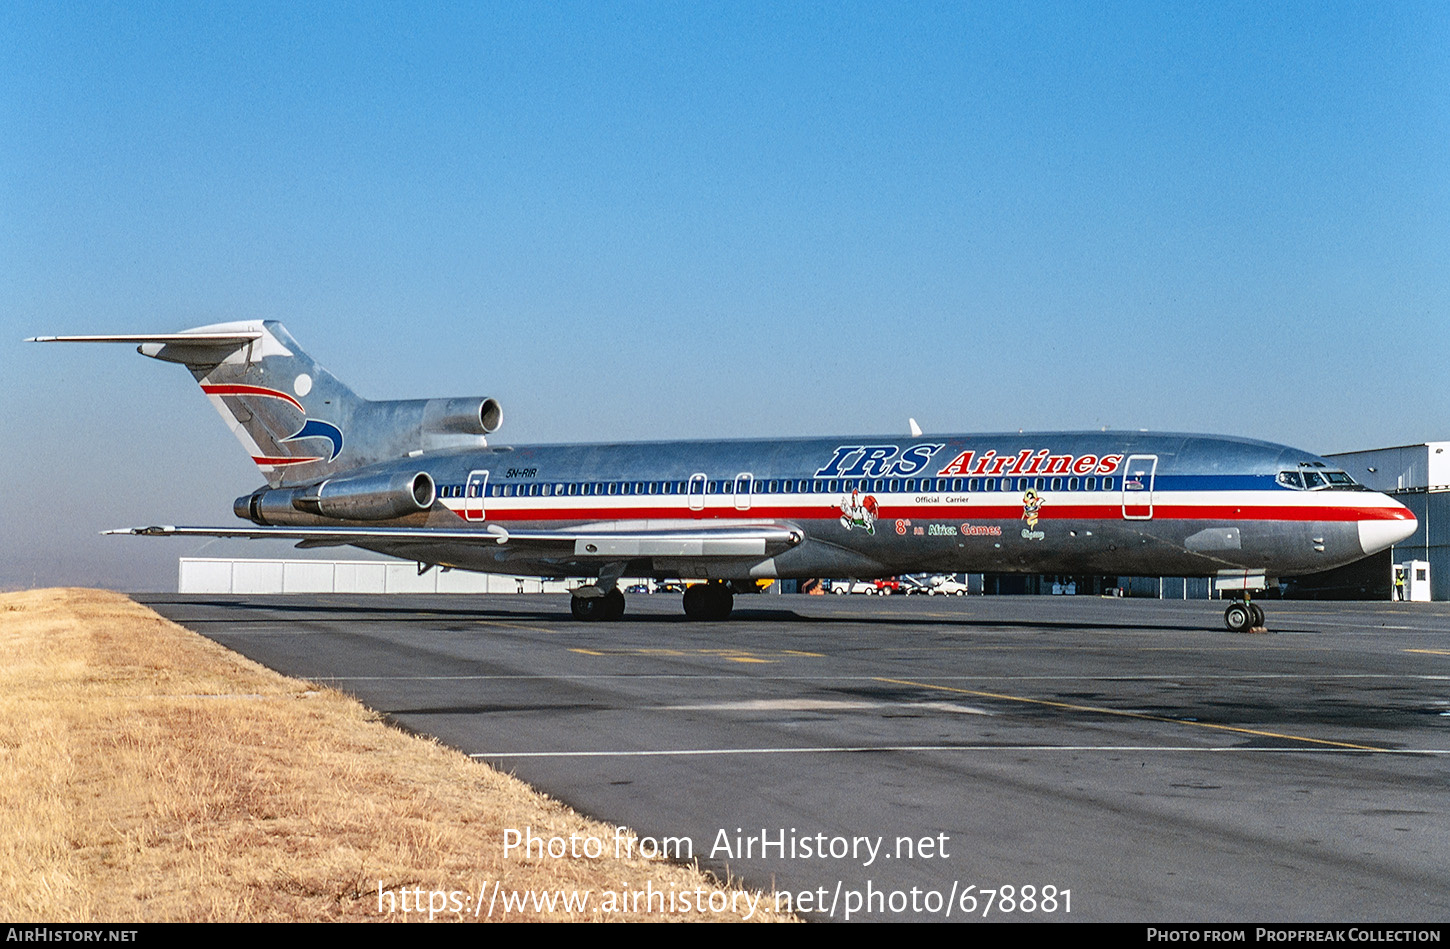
{"x":416,"y":612}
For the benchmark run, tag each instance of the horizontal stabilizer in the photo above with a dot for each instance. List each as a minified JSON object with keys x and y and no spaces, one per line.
{"x":162,"y":338}
{"x":206,"y":346}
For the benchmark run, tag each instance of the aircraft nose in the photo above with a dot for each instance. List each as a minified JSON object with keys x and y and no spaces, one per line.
{"x":1394,"y":524}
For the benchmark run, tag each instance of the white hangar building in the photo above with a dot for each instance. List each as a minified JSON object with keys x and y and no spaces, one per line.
{"x":1418,"y":476}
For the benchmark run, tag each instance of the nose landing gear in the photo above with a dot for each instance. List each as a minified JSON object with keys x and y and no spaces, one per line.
{"x":1242,"y":616}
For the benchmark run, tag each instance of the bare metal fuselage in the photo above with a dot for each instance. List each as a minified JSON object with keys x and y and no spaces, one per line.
{"x":1094,"y":503}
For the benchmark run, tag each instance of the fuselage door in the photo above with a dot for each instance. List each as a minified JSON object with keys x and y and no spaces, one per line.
{"x":744,"y":483}
{"x":1138,"y":472}
{"x":696,"y":492}
{"x":473,"y":494}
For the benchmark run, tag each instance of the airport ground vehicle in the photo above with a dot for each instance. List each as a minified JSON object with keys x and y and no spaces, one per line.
{"x":946,"y":586}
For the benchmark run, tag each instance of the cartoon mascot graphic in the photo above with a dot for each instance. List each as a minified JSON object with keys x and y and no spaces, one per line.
{"x":1031,"y":505}
{"x":857,"y":511}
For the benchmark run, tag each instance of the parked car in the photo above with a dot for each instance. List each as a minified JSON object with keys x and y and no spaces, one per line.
{"x":947,"y":586}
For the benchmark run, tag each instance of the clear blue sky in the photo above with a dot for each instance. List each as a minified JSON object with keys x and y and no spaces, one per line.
{"x":673,"y":219}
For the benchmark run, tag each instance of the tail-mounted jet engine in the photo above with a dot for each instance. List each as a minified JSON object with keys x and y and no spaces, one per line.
{"x":458,"y":423}
{"x":378,"y":497}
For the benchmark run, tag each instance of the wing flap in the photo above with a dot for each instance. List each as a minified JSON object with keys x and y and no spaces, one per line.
{"x":696,"y":546}
{"x":740,"y":542}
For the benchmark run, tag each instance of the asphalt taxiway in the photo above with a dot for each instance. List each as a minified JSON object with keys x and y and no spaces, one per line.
{"x":1130,"y":755}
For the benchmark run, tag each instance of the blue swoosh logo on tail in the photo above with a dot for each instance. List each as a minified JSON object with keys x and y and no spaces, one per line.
{"x":315,"y":429}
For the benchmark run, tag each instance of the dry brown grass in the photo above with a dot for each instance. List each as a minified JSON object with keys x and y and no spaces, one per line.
{"x":148,"y":774}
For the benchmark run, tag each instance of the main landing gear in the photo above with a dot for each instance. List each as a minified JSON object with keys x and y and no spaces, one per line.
{"x":703,"y":601}
{"x":1243,"y":616}
{"x":709,"y":601}
{"x":610,"y":606}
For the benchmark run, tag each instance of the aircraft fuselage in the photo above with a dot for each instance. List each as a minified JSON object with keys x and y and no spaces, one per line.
{"x":1115,"y":503}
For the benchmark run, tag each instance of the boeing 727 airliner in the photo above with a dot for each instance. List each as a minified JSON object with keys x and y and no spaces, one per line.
{"x":419,"y":480}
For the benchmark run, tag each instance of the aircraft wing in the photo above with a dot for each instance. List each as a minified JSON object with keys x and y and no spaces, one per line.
{"x":605,"y":545}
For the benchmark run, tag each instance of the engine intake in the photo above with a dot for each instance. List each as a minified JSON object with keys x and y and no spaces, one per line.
{"x":472,"y":416}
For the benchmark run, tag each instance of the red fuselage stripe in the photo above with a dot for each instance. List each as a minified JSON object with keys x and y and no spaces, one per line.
{"x":1079,"y":512}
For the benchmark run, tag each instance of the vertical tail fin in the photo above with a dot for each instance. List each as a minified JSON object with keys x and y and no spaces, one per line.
{"x":289,"y":413}
{"x":298,"y":422}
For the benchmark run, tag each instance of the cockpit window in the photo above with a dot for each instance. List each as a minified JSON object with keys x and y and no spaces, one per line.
{"x":1328,"y":479}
